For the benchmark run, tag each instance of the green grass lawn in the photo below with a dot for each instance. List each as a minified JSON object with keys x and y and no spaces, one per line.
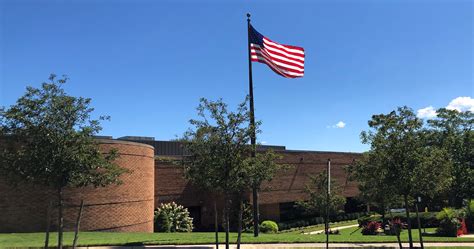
{"x":106,"y":238}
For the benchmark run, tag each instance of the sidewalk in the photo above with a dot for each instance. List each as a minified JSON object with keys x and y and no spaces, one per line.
{"x":333,"y":229}
{"x":293,"y":246}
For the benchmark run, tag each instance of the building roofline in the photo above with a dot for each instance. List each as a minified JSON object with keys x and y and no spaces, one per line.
{"x":320,"y":152}
{"x":116,"y":141}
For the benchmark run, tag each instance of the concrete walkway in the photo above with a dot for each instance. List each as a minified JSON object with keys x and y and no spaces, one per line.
{"x":293,"y":246}
{"x":333,"y":229}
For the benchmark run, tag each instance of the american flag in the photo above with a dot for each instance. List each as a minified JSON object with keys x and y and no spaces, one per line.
{"x":285,"y":60}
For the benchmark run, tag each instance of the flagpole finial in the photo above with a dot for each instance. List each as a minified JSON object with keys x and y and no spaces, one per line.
{"x":248,"y":16}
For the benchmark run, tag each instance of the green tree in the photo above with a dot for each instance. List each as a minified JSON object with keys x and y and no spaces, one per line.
{"x":257,"y":170}
{"x":367,"y":172}
{"x":218,"y":154}
{"x":399,"y":146}
{"x":317,"y":201}
{"x":217,"y":147}
{"x":453,"y":131}
{"x":48,"y":140}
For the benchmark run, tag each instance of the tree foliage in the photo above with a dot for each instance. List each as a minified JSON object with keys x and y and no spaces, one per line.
{"x":402,"y":157}
{"x":218,"y":152}
{"x":318,"y":200}
{"x":217,"y":147}
{"x":401,"y":160}
{"x":370,"y":176}
{"x":47,"y":139}
{"x":453,"y":131}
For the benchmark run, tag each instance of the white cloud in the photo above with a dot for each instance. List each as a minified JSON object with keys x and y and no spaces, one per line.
{"x":427,"y":112}
{"x":339,"y":125}
{"x":461,"y":104}
{"x":263,"y":142}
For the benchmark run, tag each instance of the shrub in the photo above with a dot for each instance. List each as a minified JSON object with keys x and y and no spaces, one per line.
{"x":427,"y":219}
{"x":285,"y":225}
{"x":396,"y":226}
{"x":448,"y":222}
{"x":365,"y":220}
{"x":269,"y":226}
{"x":178,"y":217}
{"x":371,"y":228}
{"x":162,"y":223}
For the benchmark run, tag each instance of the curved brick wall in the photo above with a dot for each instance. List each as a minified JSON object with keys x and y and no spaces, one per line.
{"x":126,"y":208}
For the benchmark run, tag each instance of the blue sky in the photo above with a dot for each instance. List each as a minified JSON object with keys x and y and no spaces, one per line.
{"x":147,"y":63}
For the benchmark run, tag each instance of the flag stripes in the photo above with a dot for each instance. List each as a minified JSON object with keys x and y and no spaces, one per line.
{"x":285,"y":60}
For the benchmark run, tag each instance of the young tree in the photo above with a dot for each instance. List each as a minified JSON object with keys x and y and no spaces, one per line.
{"x":217,"y":148}
{"x":399,"y":148}
{"x":48,"y":139}
{"x":217,"y":153}
{"x":258,"y":169}
{"x":453,"y":131}
{"x":318,"y":201}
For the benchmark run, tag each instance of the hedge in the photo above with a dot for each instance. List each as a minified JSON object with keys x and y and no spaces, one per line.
{"x":285,"y":225}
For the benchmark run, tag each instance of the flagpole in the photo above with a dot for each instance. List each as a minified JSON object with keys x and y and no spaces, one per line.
{"x":253,"y":138}
{"x":327,"y":201}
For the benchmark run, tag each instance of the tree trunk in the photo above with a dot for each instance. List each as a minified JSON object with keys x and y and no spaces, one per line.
{"x":382,"y":204}
{"x":256,"y":221}
{"x":410,"y":239}
{"x":239,"y":228}
{"x":216,"y":225}
{"x":396,"y":228}
{"x":78,"y":223}
{"x":470,"y":214}
{"x":48,"y":224}
{"x":227,"y":222}
{"x":419,"y":225}
{"x":60,"y":218}
{"x":397,"y":231}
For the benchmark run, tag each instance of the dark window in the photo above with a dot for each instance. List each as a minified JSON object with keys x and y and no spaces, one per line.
{"x":291,"y":211}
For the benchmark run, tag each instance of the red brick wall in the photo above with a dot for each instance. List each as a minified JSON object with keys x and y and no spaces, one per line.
{"x":127,"y":207}
{"x":287,"y":186}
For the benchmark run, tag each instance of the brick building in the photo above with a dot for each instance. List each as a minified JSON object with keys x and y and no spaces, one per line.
{"x":127,"y":207}
{"x":156,"y":178}
{"x":276,"y":198}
